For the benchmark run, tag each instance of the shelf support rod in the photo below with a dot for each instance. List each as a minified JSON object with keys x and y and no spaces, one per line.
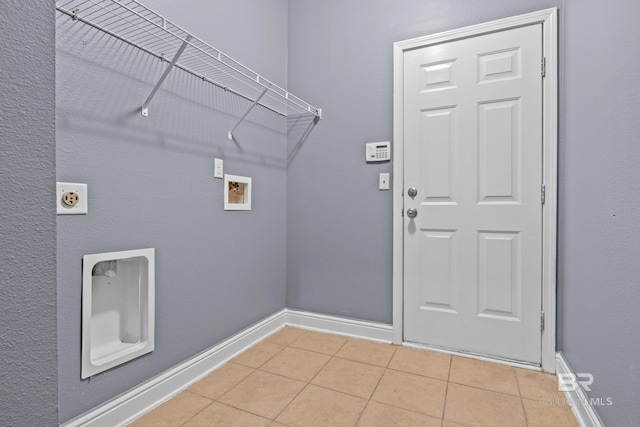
{"x":145,"y":106}
{"x":230,"y":134}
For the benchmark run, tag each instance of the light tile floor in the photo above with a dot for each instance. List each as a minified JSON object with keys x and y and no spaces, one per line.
{"x":305,"y":378}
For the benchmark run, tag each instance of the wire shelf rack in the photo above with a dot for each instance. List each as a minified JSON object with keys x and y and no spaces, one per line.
{"x":139,"y":26}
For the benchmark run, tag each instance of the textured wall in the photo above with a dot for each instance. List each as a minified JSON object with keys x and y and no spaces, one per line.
{"x":599,"y":232}
{"x":339,"y":225}
{"x":28,"y":355}
{"x":151,"y":184}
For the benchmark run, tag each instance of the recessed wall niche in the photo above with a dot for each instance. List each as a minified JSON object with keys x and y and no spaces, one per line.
{"x":237,"y":193}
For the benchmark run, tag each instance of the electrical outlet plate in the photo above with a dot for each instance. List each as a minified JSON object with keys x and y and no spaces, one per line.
{"x":80,"y":208}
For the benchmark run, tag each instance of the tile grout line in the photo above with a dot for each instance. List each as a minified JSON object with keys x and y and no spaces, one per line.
{"x":524,"y":411}
{"x":446,"y":392}
{"x":483,"y":389}
{"x":331,"y":356}
{"x":235,"y":385}
{"x":376,"y":387}
{"x":346,"y":358}
{"x":308,"y":383}
{"x":244,"y":410}
{"x":419,"y":375}
{"x":266,"y":361}
{"x":253,"y":372}
{"x":194,"y":415}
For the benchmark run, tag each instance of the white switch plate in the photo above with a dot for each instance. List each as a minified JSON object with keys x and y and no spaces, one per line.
{"x":218,"y":168}
{"x":80,"y":189}
{"x":384,"y":181}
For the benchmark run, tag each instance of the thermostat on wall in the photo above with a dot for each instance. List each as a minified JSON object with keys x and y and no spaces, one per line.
{"x":378,"y":151}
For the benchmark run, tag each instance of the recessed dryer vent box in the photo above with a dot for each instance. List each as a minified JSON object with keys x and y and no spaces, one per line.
{"x":118,"y":309}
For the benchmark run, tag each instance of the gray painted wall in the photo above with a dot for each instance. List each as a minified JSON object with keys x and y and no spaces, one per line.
{"x":151,"y":184}
{"x":27,"y":227}
{"x":339,"y":224}
{"x":600,"y":199}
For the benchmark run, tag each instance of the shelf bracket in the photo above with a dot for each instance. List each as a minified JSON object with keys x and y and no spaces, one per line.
{"x":230,"y":134}
{"x":145,"y":106}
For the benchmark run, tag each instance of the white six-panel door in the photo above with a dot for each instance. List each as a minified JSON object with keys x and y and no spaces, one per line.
{"x":473,"y":152}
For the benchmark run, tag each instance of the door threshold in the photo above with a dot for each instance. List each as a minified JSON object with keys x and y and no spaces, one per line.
{"x":470,"y":355}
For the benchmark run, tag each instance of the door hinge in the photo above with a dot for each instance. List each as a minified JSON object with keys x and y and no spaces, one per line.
{"x":543,"y":67}
{"x":542,"y":320}
{"x":543,"y":191}
{"x":402,"y":213}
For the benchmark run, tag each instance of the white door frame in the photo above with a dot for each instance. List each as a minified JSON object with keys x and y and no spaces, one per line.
{"x":548,"y":19}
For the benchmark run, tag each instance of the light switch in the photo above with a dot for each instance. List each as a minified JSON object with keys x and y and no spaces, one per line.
{"x":218,"y":168}
{"x":384,"y":181}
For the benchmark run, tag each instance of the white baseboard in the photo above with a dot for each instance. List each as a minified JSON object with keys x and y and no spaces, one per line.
{"x":582,"y":409}
{"x":372,"y":331}
{"x":141,"y":399}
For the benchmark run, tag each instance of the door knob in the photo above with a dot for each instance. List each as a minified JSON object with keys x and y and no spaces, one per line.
{"x":412,"y":192}
{"x":412,"y":212}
